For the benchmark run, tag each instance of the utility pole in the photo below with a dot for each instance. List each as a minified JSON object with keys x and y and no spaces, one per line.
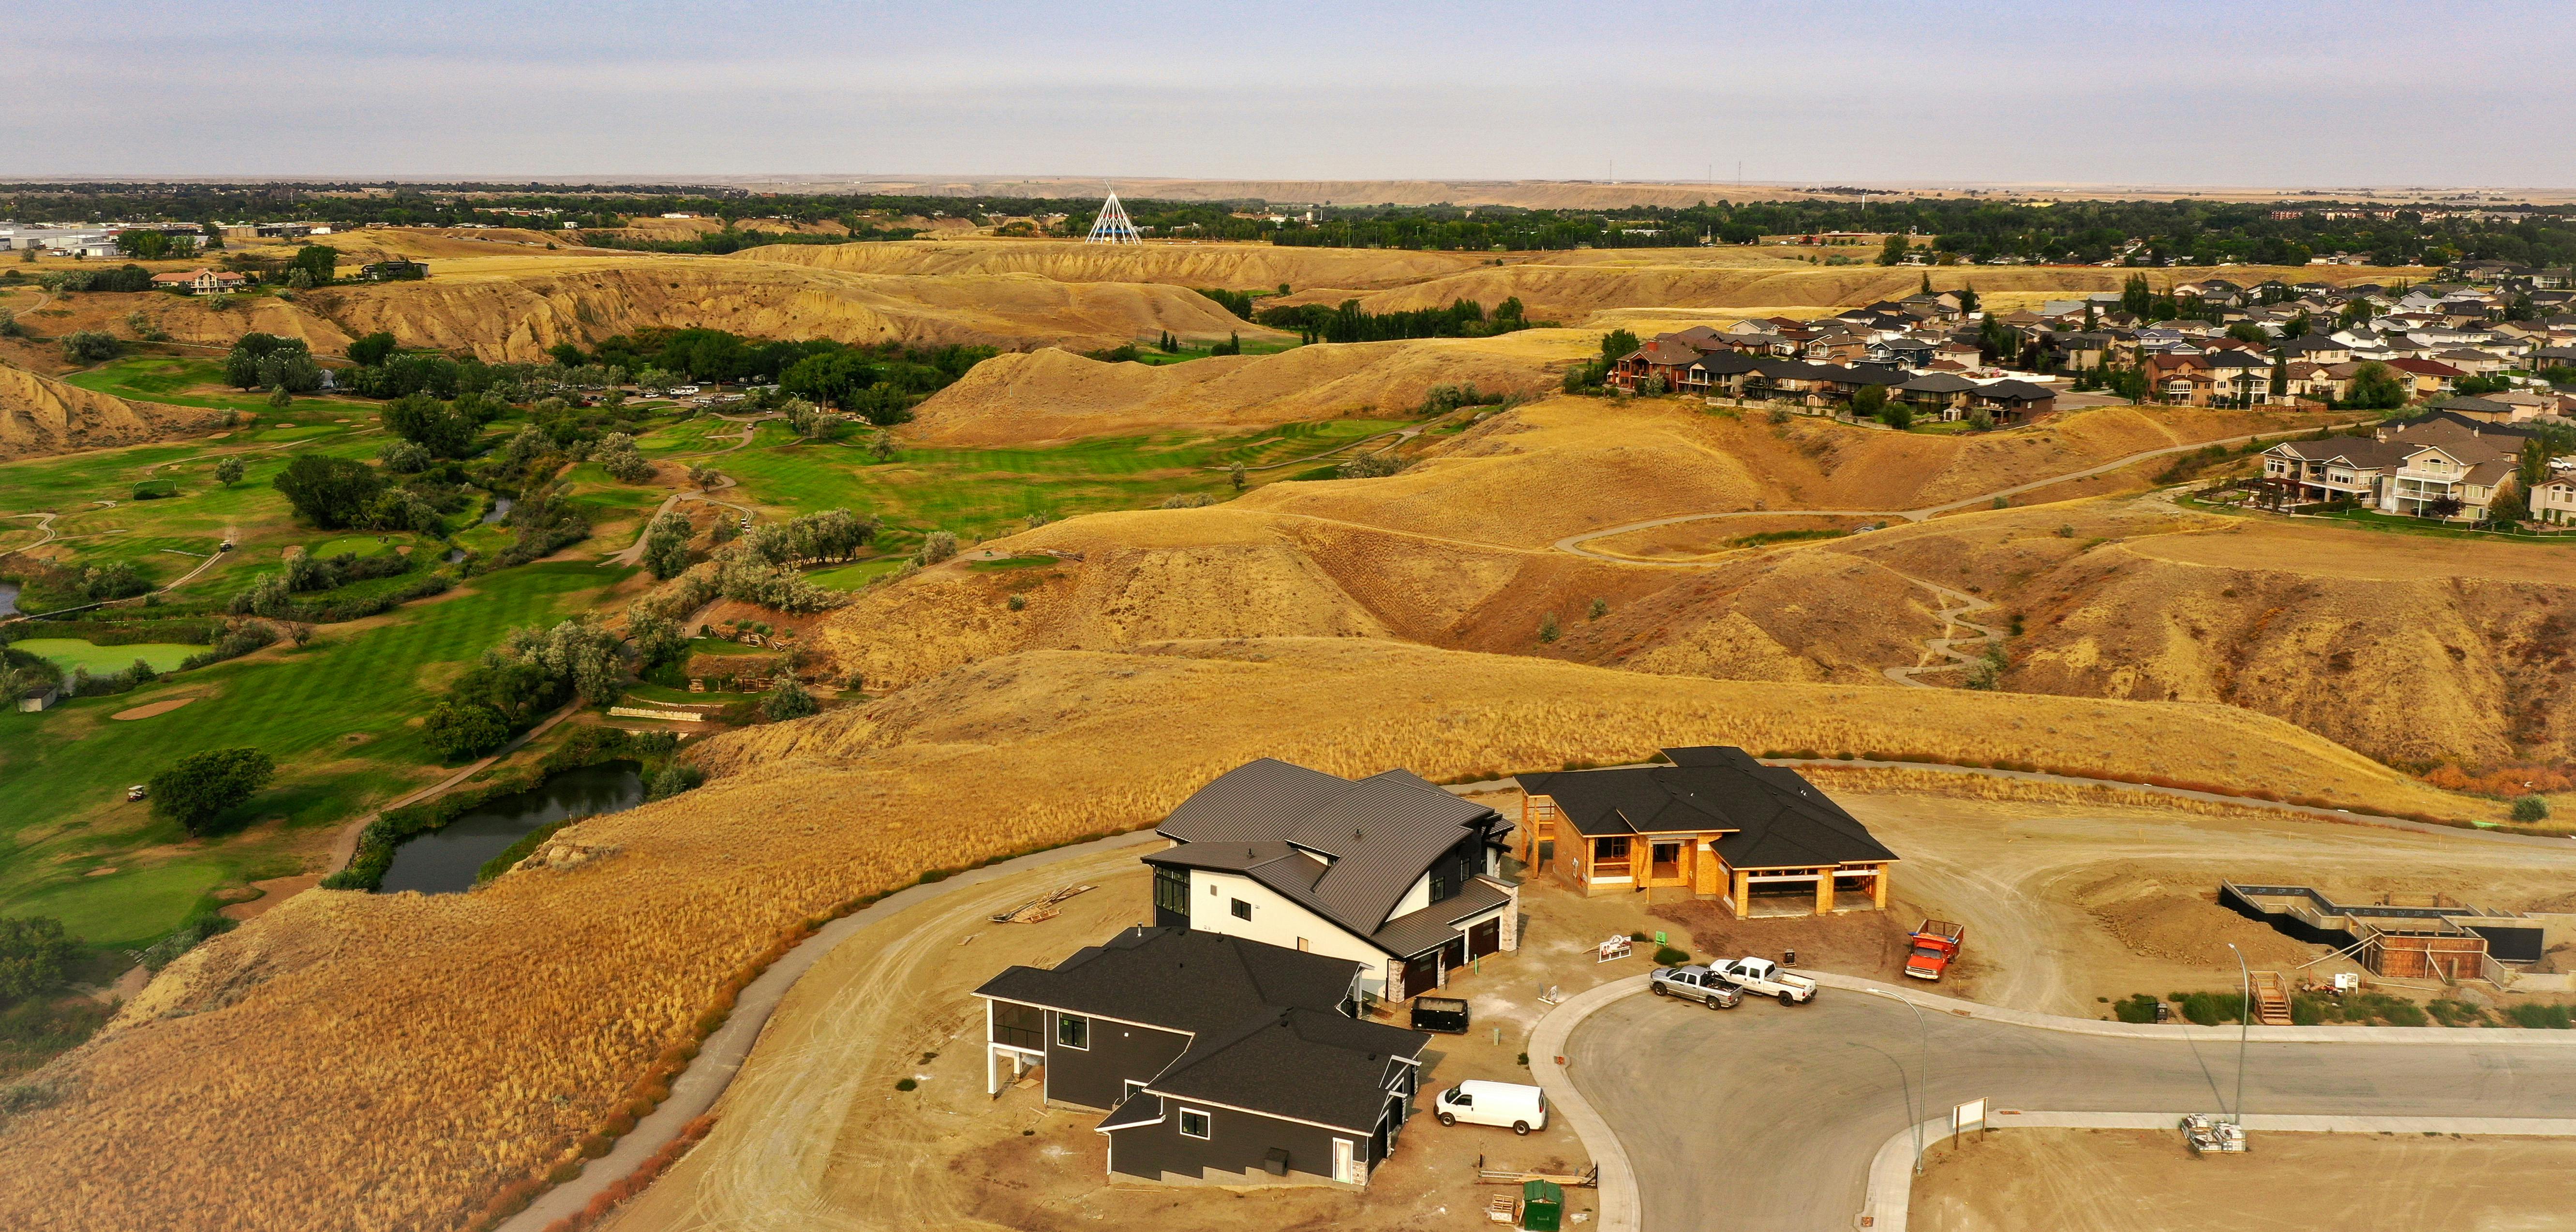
{"x":2244,"y":1027}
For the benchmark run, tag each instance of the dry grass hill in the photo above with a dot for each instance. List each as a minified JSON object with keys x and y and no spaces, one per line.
{"x":1050,"y":394}
{"x":40,"y":415}
{"x":1240,"y":267}
{"x":393,"y":1094}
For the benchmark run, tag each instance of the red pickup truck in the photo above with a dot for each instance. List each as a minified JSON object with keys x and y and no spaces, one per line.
{"x":1935,"y":944}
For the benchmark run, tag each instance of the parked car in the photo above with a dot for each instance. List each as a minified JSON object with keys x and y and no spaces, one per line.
{"x":1765,"y":978}
{"x":1524,"y":1108}
{"x":1935,"y":945}
{"x":1447,"y":1015}
{"x":1697,"y":983}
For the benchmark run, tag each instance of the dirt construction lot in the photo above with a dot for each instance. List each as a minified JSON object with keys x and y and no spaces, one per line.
{"x":2144,"y":1181}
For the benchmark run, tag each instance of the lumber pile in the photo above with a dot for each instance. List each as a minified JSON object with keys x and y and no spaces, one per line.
{"x":1037,"y":909}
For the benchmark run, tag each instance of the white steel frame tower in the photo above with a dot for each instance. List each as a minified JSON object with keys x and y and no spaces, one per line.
{"x":1112,"y":227}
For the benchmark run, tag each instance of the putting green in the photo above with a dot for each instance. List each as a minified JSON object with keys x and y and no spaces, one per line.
{"x":125,"y":908}
{"x":68,"y":653}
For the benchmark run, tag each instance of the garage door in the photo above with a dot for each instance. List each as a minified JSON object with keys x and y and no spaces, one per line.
{"x":1485,"y":938}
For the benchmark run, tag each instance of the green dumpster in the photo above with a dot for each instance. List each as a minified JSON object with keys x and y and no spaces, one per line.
{"x":1542,"y":1206}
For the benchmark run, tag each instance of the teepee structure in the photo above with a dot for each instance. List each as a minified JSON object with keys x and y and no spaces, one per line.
{"x":1112,"y":226}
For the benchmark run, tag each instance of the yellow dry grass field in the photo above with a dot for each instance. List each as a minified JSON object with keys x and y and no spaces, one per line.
{"x":1570,"y":465}
{"x":2145,"y":1181}
{"x":403,"y":1055}
{"x":1052,"y":394}
{"x":1239,"y":267}
{"x":40,"y":415}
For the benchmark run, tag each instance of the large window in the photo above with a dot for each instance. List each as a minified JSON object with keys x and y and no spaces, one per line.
{"x":1073,"y":1031}
{"x":1020,"y":1026}
{"x":1172,"y":890}
{"x":1613,"y":848}
{"x":1194,"y":1123}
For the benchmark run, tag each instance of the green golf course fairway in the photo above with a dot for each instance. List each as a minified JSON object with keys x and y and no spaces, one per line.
{"x":68,"y":653}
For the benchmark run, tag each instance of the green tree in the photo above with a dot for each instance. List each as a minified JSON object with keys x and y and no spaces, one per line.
{"x":1868,"y":400}
{"x":1617,"y":345}
{"x":91,"y":346}
{"x":202,"y":786}
{"x":2136,"y":297}
{"x":1893,"y":251}
{"x":322,"y":261}
{"x":463,"y":731}
{"x":143,"y":244}
{"x":229,"y":471}
{"x":330,"y":492}
{"x":2508,"y":506}
{"x":2249,"y":333}
{"x":2375,"y":388}
{"x":372,"y":350}
{"x":666,"y":546}
{"x":431,"y":424}
{"x":788,"y":701}
{"x":35,"y":957}
{"x":1967,"y":298}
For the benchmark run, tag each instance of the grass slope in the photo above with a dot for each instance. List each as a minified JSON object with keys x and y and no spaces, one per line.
{"x":337,"y":715}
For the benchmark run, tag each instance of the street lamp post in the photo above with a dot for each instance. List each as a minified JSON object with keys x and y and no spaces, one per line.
{"x":1922,"y":1067}
{"x":2244,"y":1028}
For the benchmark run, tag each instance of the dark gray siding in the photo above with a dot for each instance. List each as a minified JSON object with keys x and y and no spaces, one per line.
{"x":1237,"y":1142}
{"x":1118,"y":1052}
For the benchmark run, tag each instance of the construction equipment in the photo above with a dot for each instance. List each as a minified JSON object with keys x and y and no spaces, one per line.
{"x":2271,"y":999}
{"x":2207,"y":1135}
{"x":1037,"y":909}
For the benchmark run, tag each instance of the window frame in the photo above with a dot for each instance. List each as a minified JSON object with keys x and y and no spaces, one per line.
{"x":1242,"y":910}
{"x":1181,"y":1122}
{"x":1062,"y":1019}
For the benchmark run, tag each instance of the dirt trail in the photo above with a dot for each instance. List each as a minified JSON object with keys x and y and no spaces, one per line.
{"x":633,"y":554}
{"x":1955,"y":606}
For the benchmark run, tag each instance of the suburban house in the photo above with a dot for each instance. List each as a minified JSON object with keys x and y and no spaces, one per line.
{"x":2554,"y":499}
{"x":1217,"y":1058}
{"x":1389,"y":872}
{"x":2013,"y":401}
{"x":199,"y":281}
{"x":394,"y":271}
{"x":1713,"y":821}
{"x":2404,"y":468}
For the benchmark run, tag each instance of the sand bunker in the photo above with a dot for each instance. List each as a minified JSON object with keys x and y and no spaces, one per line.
{"x":145,"y":712}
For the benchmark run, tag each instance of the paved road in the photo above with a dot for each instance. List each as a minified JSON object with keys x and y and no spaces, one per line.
{"x":1766,"y":1117}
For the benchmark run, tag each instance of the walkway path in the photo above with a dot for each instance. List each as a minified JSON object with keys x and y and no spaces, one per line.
{"x":345,"y":847}
{"x":633,"y":553}
{"x":1956,"y":604}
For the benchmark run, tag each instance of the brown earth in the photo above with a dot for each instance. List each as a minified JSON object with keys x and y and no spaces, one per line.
{"x":156,"y":708}
{"x":2146,"y":1181}
{"x":40,"y":415}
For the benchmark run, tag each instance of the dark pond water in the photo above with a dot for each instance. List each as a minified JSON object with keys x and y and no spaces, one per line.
{"x":444,"y":861}
{"x":500,"y":509}
{"x":8,"y":598}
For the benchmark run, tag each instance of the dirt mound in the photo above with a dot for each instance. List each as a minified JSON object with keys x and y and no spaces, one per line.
{"x":40,"y":415}
{"x":2180,"y":923}
{"x":1050,"y":394}
{"x":1237,"y":267}
{"x":515,"y":311}
{"x":2290,"y":619}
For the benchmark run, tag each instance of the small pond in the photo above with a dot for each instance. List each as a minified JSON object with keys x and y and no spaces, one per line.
{"x":8,"y":598}
{"x":500,"y":509}
{"x":444,"y":861}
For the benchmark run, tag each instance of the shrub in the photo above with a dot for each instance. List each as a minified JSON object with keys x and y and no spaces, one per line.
{"x":1017,"y":603}
{"x":2209,"y":1009}
{"x":2529,"y":809}
{"x":91,"y":346}
{"x":2540,"y":1017}
{"x":2140,"y":1008}
{"x":35,"y":956}
{"x":674,"y":779}
{"x":1547,"y":631}
{"x":1369,"y":466}
{"x":1188,"y":500}
{"x":1671,"y":956}
{"x":788,"y":701}
{"x":936,"y":546}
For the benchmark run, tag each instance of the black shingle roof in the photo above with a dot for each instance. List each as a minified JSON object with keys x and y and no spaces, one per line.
{"x":1313,"y":1065}
{"x":1776,"y":817}
{"x":1179,"y":980}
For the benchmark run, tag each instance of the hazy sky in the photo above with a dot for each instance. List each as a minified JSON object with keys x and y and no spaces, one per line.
{"x":2246,"y":92}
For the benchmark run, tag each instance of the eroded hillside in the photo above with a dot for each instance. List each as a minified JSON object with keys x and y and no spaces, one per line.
{"x":40,"y":415}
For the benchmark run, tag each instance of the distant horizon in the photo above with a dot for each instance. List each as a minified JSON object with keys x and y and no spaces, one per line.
{"x":2263,"y":96}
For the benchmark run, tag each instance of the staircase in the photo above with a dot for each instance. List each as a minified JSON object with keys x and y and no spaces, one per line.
{"x":2271,"y":999}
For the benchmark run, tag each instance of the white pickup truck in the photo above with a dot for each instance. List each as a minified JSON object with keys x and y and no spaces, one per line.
{"x":1762,"y":977}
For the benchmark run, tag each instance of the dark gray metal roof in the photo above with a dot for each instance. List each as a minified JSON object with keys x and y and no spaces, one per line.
{"x":1419,"y":932}
{"x":1179,"y":980}
{"x":1141,"y":1108}
{"x":1375,"y":837}
{"x":1772,"y":816}
{"x":1309,"y":1064}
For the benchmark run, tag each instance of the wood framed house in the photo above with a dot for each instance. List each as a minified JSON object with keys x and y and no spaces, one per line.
{"x":1715,"y":822}
{"x":1389,"y":871}
{"x":1216,"y":1058}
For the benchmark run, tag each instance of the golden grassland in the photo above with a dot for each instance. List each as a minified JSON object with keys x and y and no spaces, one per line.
{"x":404,"y":1056}
{"x":1051,"y":394}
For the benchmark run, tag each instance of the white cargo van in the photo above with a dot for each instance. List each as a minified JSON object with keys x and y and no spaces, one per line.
{"x":1524,"y":1108}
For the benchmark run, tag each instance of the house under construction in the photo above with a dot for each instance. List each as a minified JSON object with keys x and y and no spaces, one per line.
{"x":2402,"y":936}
